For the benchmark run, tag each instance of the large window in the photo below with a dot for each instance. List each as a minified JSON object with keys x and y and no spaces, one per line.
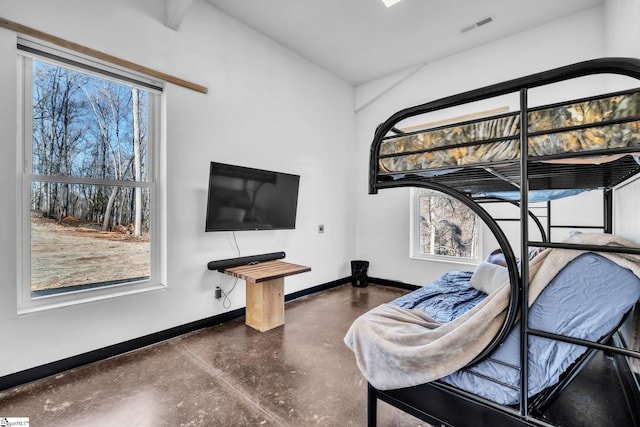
{"x":89,"y":208}
{"x":443,"y":228}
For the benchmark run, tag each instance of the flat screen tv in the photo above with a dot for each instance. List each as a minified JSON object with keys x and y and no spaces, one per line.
{"x":242,"y":198}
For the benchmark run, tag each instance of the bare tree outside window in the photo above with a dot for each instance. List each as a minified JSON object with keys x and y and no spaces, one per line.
{"x":90,"y":197}
{"x":446,"y":227}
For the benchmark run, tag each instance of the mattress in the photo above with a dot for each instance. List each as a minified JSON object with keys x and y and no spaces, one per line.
{"x":535,"y":196}
{"x":585,"y":306}
{"x":574,"y":127}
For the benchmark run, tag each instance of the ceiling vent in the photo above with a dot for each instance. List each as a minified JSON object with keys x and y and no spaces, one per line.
{"x":475,"y":25}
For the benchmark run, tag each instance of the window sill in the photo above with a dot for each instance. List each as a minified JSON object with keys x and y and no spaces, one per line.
{"x":43,"y":304}
{"x":447,"y":259}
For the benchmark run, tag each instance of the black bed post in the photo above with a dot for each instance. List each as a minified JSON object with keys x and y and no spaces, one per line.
{"x":608,"y":210}
{"x":372,"y":406}
{"x":548,"y":221}
{"x":524,"y":242}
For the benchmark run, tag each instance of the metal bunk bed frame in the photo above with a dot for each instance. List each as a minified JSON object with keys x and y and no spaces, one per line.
{"x":442,"y":404}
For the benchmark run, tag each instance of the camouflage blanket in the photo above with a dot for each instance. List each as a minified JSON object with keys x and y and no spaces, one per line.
{"x":553,"y":130}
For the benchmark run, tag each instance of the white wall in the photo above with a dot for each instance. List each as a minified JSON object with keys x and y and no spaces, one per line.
{"x":383,"y":219}
{"x":266,"y":108}
{"x":622,"y":35}
{"x":623,"y":39}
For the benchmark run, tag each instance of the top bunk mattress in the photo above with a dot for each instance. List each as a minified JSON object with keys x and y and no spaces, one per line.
{"x":590,"y":126}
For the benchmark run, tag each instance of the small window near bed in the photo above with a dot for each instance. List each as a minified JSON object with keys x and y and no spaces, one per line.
{"x":443,"y":228}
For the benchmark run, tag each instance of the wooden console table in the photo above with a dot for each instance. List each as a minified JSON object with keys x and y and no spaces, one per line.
{"x":265,"y":291}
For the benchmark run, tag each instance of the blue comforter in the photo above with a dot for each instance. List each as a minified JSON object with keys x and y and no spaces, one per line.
{"x":586,"y":300}
{"x":445,"y":298}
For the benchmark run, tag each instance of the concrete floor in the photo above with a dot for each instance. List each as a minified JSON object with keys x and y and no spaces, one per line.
{"x":301,"y":374}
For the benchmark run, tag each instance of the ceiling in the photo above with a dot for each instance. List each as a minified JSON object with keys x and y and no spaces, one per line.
{"x":361,"y":40}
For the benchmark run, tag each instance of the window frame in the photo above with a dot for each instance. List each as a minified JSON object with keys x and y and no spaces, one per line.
{"x":57,"y":56}
{"x":414,"y":233}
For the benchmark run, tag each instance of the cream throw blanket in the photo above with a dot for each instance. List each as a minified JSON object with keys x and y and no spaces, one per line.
{"x":398,"y":348}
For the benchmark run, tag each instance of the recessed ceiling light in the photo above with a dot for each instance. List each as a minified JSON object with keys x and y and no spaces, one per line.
{"x":390,"y":3}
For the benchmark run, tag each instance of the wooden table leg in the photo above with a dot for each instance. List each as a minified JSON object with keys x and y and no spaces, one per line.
{"x":265,"y":304}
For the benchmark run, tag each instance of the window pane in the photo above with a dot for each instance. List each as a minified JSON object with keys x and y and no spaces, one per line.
{"x":86,"y":126}
{"x":447,"y":227}
{"x":84,"y":236}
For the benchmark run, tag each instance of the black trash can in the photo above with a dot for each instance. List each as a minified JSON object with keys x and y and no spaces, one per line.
{"x":359,"y":277}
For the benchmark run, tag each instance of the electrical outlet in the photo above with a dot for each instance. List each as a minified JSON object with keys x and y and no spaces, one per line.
{"x":218,"y":292}
{"x":321,"y":228}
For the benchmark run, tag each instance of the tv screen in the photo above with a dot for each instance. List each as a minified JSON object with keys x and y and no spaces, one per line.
{"x":241,"y":198}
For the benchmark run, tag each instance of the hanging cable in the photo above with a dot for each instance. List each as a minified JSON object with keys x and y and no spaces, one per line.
{"x":236,"y":242}
{"x":226,"y":301}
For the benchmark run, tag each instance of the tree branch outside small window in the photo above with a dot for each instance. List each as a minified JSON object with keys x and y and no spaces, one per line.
{"x":447,"y":227}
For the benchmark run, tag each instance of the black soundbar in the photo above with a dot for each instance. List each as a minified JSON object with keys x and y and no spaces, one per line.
{"x":222,"y":264}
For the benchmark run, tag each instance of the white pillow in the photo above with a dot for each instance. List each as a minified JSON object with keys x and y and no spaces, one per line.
{"x":488,"y":277}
